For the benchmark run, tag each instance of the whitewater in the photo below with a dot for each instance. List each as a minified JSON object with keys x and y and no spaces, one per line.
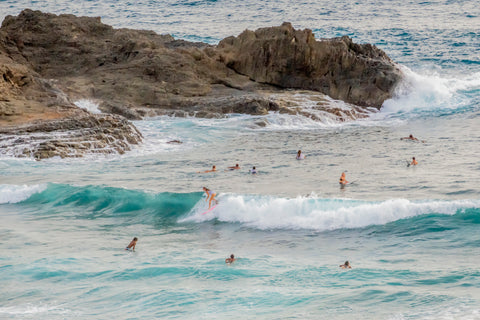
{"x":410,"y":233}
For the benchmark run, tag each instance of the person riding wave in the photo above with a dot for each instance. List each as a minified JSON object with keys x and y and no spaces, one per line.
{"x":210,"y":196}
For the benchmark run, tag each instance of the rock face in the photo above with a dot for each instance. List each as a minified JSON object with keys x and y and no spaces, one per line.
{"x":134,"y":73}
{"x":282,"y":56}
{"x":48,"y":61}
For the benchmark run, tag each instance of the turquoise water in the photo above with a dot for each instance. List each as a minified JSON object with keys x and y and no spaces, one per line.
{"x":63,"y":256}
{"x":410,"y":233}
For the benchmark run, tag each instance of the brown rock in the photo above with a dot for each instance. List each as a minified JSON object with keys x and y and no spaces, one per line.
{"x":134,"y":70}
{"x":48,"y":61}
{"x":282,"y":56}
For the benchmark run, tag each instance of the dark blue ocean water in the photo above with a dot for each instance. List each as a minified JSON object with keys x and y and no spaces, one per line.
{"x":410,"y":233}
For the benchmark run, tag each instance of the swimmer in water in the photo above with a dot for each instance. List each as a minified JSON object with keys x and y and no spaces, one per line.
{"x":236,"y":167}
{"x":132,"y":244}
{"x":300,"y":156}
{"x":414,"y":162}
{"x":213,"y":170}
{"x":343,"y":181}
{"x":253,"y":170}
{"x":231,"y":259}
{"x":346,"y":265}
{"x":210,"y":196}
{"x":411,"y":137}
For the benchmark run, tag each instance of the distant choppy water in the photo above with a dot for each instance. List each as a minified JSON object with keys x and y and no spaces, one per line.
{"x":411,"y":234}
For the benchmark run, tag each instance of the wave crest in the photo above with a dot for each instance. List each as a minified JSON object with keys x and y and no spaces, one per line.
{"x":18,"y":193}
{"x":321,"y":214}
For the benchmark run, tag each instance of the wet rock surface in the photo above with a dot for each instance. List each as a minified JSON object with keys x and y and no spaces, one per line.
{"x":70,"y":137}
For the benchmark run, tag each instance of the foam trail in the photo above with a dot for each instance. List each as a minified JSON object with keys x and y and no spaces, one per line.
{"x":31,"y":310}
{"x":320,"y":214}
{"x":14,"y":194}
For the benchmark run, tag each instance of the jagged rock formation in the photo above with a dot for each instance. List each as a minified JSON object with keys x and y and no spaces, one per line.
{"x":282,"y":56}
{"x":47,"y":61}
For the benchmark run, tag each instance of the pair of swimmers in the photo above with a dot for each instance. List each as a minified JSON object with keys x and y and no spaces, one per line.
{"x":411,"y":137}
{"x":346,"y":265}
{"x":236,"y":167}
{"x":133,"y":243}
{"x":214,"y":168}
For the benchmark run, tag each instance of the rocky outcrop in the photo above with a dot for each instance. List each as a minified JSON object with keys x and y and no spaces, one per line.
{"x":282,"y":56}
{"x":48,"y":61}
{"x":38,"y":120}
{"x":132,"y":72}
{"x":70,"y":137}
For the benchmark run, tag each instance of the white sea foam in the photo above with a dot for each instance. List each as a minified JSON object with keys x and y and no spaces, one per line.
{"x":30,"y":310}
{"x":276,"y":121}
{"x":162,"y":134}
{"x":313,"y":110}
{"x":429,"y":91}
{"x":88,"y":105}
{"x":320,"y":214}
{"x":17,"y":193}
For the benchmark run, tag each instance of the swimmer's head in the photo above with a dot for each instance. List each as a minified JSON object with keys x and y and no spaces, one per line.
{"x":232,"y":256}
